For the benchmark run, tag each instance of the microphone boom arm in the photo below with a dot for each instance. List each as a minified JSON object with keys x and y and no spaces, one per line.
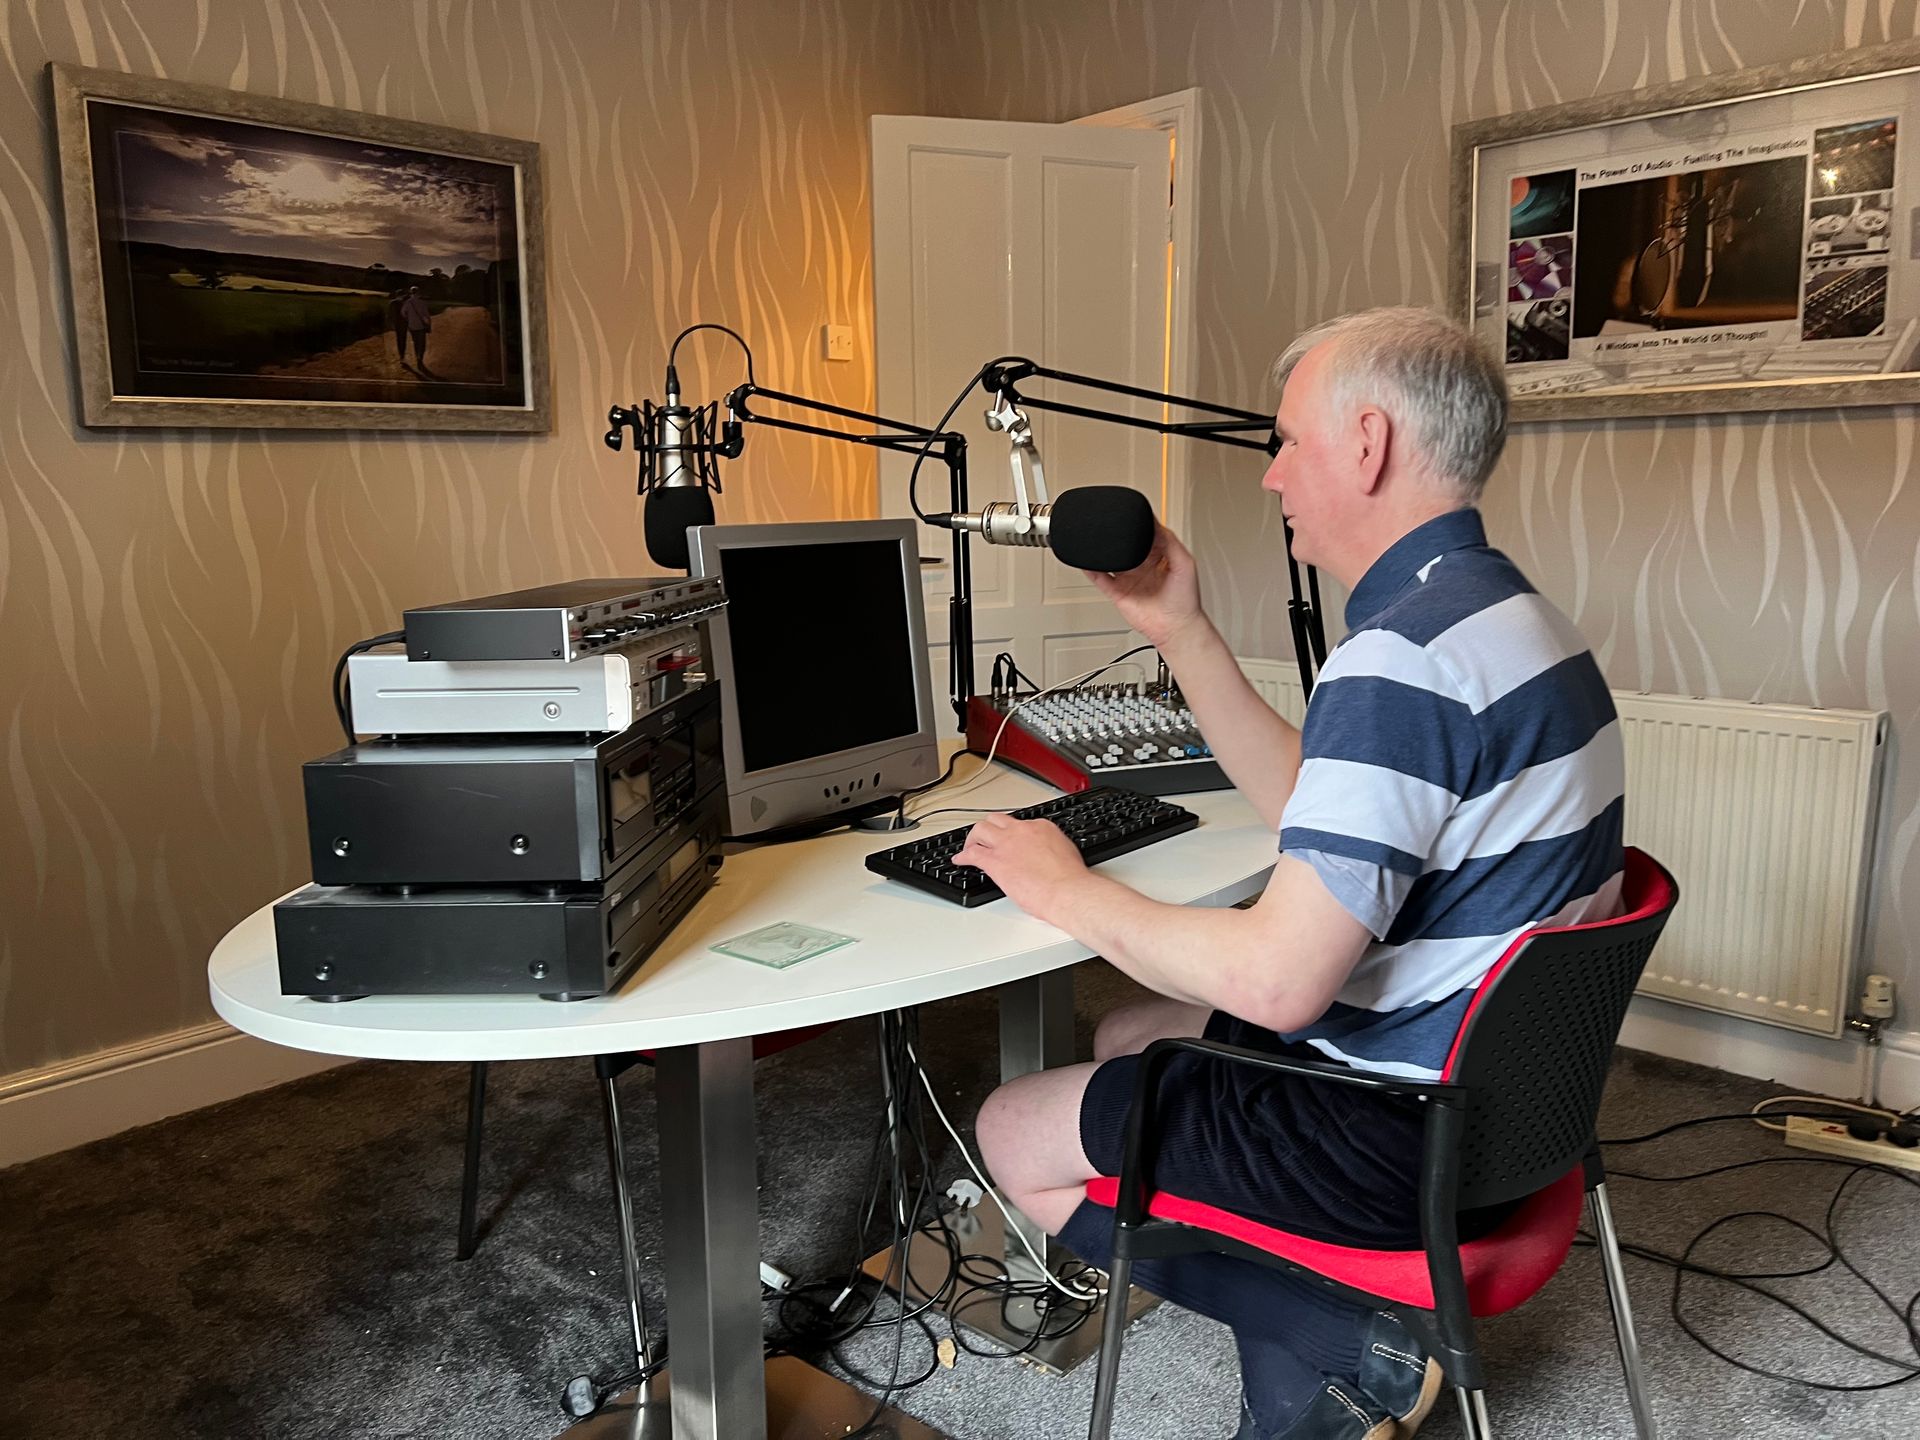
{"x":1229,"y":427}
{"x":950,"y":447}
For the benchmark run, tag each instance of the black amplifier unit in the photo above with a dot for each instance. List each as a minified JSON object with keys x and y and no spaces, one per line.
{"x":559,"y":622}
{"x":341,"y":942}
{"x":509,"y":810}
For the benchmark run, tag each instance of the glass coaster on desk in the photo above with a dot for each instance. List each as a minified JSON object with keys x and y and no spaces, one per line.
{"x":783,"y":943}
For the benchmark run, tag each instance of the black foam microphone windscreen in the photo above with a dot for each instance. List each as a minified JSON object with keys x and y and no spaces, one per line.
{"x":669,"y":511}
{"x":1101,"y":527}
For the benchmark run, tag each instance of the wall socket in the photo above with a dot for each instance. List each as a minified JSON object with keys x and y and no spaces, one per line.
{"x":1830,"y":1137}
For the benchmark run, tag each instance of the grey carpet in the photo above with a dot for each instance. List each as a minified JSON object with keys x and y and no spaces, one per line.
{"x":282,"y":1266}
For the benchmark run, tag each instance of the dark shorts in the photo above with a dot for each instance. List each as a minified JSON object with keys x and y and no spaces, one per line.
{"x":1331,"y":1162}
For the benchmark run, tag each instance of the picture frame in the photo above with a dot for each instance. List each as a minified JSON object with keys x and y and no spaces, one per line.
{"x":238,"y":260}
{"x":1734,"y":243}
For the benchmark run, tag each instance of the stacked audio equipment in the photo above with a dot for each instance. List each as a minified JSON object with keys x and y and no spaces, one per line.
{"x":1126,"y":737}
{"x":542,"y":801}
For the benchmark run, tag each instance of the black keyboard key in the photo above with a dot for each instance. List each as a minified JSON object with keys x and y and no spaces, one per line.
{"x":1102,"y":823}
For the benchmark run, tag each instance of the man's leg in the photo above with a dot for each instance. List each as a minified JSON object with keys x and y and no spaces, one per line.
{"x":1131,"y":1028}
{"x":1029,"y":1133}
{"x":1029,"y":1129}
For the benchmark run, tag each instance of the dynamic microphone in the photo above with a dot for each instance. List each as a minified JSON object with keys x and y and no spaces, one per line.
{"x":678,"y":476}
{"x":1093,"y":527}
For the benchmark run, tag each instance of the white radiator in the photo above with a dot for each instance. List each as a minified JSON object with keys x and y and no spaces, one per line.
{"x":1765,"y":815}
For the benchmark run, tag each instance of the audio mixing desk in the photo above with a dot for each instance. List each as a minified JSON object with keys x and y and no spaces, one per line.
{"x":1119,"y":735}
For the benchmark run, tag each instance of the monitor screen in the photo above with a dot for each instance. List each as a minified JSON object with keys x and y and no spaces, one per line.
{"x":823,"y":654}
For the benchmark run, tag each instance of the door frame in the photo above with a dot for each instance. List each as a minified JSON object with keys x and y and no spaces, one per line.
{"x":1178,"y":114}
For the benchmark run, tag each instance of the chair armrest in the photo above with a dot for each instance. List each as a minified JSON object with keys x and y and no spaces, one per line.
{"x":1141,"y":1141}
{"x":1161,"y":1052}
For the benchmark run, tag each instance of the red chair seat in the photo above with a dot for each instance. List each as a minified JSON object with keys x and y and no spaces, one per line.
{"x":1502,"y":1269}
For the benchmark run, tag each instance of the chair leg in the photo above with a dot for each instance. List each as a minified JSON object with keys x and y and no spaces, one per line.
{"x":470,"y":1178}
{"x":1601,"y":1214}
{"x":1474,"y":1423}
{"x":1113,"y":1333}
{"x":623,"y":1202}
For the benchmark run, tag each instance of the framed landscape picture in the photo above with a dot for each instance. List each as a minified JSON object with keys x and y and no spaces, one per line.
{"x":237,"y":260}
{"x":1740,"y":242}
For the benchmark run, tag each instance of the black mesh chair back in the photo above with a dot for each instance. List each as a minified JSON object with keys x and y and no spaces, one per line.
{"x":1533,"y":1054}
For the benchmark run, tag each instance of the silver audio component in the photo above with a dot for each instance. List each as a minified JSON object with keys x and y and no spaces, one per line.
{"x":596,"y":694}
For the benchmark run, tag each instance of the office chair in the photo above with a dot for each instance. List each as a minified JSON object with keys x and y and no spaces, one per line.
{"x":1510,"y":1119}
{"x":607,"y":1069}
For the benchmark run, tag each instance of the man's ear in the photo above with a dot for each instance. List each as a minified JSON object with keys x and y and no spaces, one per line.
{"x":1375,"y":440}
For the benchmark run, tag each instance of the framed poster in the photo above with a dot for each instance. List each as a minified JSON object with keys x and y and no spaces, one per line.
{"x":1747,"y":241}
{"x":236,"y":260}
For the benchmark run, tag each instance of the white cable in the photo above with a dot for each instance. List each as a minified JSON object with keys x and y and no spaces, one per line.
{"x":987,"y":1186}
{"x":979,"y":777}
{"x":1816,"y":1100}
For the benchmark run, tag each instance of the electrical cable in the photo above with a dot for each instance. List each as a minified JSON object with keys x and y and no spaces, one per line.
{"x":980,"y":776}
{"x":1827,"y":1236}
{"x":939,"y":427}
{"x":817,"y":1316}
{"x":342,"y":688}
{"x":986,"y":1185}
{"x":1889,"y":1116}
{"x":674,"y":349}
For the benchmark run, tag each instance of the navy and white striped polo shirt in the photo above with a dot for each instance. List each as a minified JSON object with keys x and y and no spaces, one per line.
{"x":1461,"y":781}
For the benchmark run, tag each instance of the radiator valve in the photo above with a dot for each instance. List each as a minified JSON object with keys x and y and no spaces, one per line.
{"x":1876,"y":1008}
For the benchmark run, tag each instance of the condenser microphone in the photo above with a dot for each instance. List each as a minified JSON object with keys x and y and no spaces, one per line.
{"x":1093,"y":527}
{"x":678,"y":476}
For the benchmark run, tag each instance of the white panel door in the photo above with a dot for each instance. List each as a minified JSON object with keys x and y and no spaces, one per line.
{"x":1045,"y":241}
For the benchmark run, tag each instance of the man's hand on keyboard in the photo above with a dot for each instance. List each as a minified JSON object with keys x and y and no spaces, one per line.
{"x":1029,"y":859}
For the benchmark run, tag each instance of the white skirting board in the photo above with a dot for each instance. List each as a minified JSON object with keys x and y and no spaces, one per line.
{"x":1808,"y":1063}
{"x":76,"y":1101}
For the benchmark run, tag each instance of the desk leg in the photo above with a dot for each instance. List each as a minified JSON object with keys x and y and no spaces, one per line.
{"x":709,"y":1208}
{"x":1036,"y":1033}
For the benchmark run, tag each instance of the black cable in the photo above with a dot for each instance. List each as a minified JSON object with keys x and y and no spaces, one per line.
{"x":342,"y":688}
{"x":1827,"y":1236}
{"x":939,"y":428}
{"x":674,"y":349}
{"x":1117,"y":660}
{"x":1747,"y":1115}
{"x":808,"y":829}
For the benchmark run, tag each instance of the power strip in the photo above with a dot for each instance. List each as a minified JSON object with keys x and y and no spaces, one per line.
{"x":1830,"y":1137}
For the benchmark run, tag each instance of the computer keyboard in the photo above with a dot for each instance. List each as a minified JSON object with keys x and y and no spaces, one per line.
{"x":1101,"y":822}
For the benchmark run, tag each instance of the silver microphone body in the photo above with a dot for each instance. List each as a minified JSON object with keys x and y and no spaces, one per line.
{"x":1001,"y":523}
{"x":1094,"y":527}
{"x":677,"y":466}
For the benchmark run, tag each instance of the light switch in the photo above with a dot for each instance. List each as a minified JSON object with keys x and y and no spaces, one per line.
{"x":836,"y":342}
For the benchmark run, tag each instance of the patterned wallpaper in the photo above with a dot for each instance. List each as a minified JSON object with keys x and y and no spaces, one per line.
{"x":1767,"y":557}
{"x":172,"y":601}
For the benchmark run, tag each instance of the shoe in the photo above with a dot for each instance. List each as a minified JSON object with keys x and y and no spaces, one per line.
{"x":1336,"y":1412}
{"x":1398,"y":1374}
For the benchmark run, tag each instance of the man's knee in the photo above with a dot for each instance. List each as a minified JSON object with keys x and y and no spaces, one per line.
{"x":996,"y":1130}
{"x":1131,"y":1028}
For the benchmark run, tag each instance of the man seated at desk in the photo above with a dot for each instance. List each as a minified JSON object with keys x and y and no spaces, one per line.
{"x":1458,"y":780}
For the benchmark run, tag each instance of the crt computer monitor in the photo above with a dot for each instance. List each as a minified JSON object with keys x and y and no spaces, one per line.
{"x":825,"y":687}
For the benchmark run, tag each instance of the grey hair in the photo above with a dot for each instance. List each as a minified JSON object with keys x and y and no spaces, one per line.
{"x":1429,"y":374}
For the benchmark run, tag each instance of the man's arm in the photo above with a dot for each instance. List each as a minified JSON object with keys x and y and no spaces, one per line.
{"x":1161,"y":599}
{"x":1258,"y":749}
{"x":1279,"y":964}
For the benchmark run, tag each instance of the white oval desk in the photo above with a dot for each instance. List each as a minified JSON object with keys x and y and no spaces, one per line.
{"x":700,"y":1009}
